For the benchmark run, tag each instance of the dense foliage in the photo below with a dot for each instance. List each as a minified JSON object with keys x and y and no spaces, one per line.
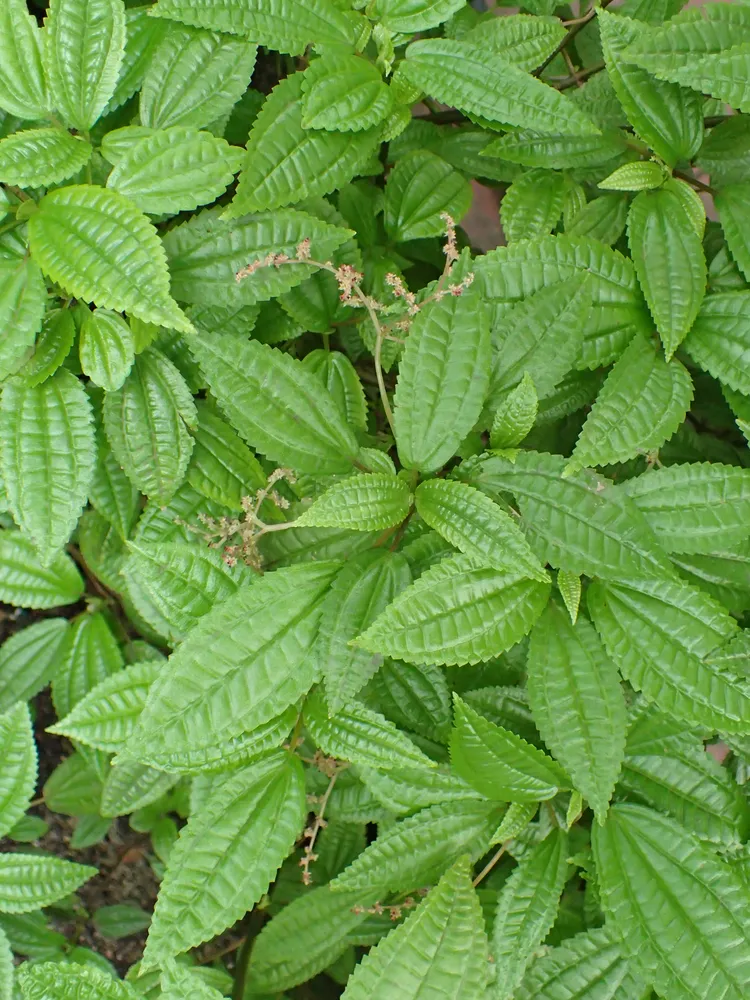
{"x":393,"y":590}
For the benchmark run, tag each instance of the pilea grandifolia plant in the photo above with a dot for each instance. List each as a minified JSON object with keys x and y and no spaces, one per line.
{"x":393,"y":589}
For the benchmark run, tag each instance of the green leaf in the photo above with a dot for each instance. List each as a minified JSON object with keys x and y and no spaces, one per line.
{"x":23,"y":299}
{"x":195,"y":77}
{"x":107,"y":715}
{"x":413,"y":15}
{"x":111,"y":493}
{"x":340,"y":377}
{"x":602,"y":219}
{"x":29,"y":881}
{"x":69,"y":981}
{"x":669,"y":261}
{"x":286,"y":162}
{"x":719,"y":340}
{"x":120,"y":920}
{"x":304,"y":939}
{"x":106,"y":348}
{"x":227,"y":855}
{"x":361,"y":736}
{"x":130,"y":786}
{"x":405,"y":790}
{"x":27,"y":584}
{"x":147,"y":422}
{"x":577,"y":703}
{"x":532,"y":205}
{"x":688,"y":784}
{"x":415,"y":851}
{"x":578,"y":523}
{"x":477,"y":526}
{"x":143,"y":35}
{"x":222,"y":467}
{"x":84,"y":45}
{"x":28,"y":660}
{"x":184,"y":581}
{"x":523,"y":40}
{"x":733,"y":205}
{"x":344,"y":93}
{"x":175,"y":170}
{"x":39,"y":157}
{"x":534,"y":149}
{"x":7,"y":970}
{"x":361,"y":502}
{"x":284,"y":25}
{"x":526,"y":909}
{"x":482,"y":83}
{"x":511,"y":274}
{"x":205,"y":254}
{"x":668,"y":118}
{"x":499,"y":764}
{"x":23,"y":86}
{"x":661,"y":635}
{"x":101,"y":248}
{"x":364,"y":587}
{"x":18,"y":765}
{"x":640,"y":406}
{"x":682,"y":912}
{"x":441,"y":948}
{"x":515,"y":415}
{"x":89,"y":655}
{"x":442,"y":380}
{"x":421,"y":189}
{"x":52,"y":347}
{"x":643,"y":175}
{"x":695,"y":507}
{"x":589,"y":966}
{"x":260,"y":642}
{"x":74,"y":788}
{"x":279,"y":407}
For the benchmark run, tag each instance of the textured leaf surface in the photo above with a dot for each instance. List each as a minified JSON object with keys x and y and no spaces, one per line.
{"x":683,"y":913}
{"x":71,"y":981}
{"x":89,"y":655}
{"x":482,"y":83}
{"x":661,"y":635}
{"x":102,"y":249}
{"x":260,"y":641}
{"x":532,"y":205}
{"x":363,"y":503}
{"x":41,"y":156}
{"x":526,"y":909}
{"x":22,"y":304}
{"x":344,"y":93}
{"x":147,"y":422}
{"x":515,"y":415}
{"x":23,"y":84}
{"x":525,"y":41}
{"x":222,"y":467}
{"x":498,"y":763}
{"x":640,"y":406}
{"x":405,"y":790}
{"x":130,"y":786}
{"x":106,"y":348}
{"x":28,"y":660}
{"x":420,"y":189}
{"x":18,"y":767}
{"x":175,"y":170}
{"x":733,"y":206}
{"x":227,"y":855}
{"x":577,"y":702}
{"x":27,"y":584}
{"x":286,"y":162}
{"x":277,"y":405}
{"x":29,"y":881}
{"x":414,"y":15}
{"x":143,"y":34}
{"x":534,"y":149}
{"x":457,"y":612}
{"x":439,"y":950}
{"x":719,"y":340}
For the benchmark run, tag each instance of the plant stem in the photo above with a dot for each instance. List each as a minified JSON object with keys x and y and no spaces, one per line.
{"x":689,"y":179}
{"x":490,"y":864}
{"x":575,"y":29}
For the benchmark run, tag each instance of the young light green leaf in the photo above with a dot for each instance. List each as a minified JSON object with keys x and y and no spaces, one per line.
{"x":227,"y":855}
{"x":106,"y":348}
{"x":71,"y":981}
{"x":640,"y":406}
{"x":569,"y":585}
{"x":47,"y":457}
{"x":147,"y":421}
{"x":526,"y":909}
{"x":669,"y":261}
{"x":695,"y":507}
{"x":532,"y":205}
{"x":421,"y":189}
{"x":85,"y":41}
{"x":279,"y":407}
{"x":343,"y":93}
{"x":643,"y":175}
{"x":515,"y":415}
{"x":415,"y":851}
{"x":143,"y":35}
{"x":195,"y":77}
{"x":719,"y":340}
{"x":286,"y":162}
{"x":473,"y":523}
{"x":661,"y":635}
{"x":499,"y":764}
{"x":364,"y":587}
{"x":682,"y":912}
{"x":23,"y":299}
{"x":523,"y":40}
{"x":361,"y":502}
{"x":18,"y":765}
{"x":52,"y":347}
{"x":441,"y":948}
{"x":577,"y":702}
{"x":23,"y":84}
{"x":733,"y":206}
{"x":28,"y":660}
{"x":39,"y":157}
{"x":443,"y":375}
{"x":175,"y":170}
{"x":361,"y":736}
{"x":102,"y":249}
{"x":482,"y":83}
{"x":29,"y":881}
{"x":260,"y":641}
{"x":89,"y":655}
